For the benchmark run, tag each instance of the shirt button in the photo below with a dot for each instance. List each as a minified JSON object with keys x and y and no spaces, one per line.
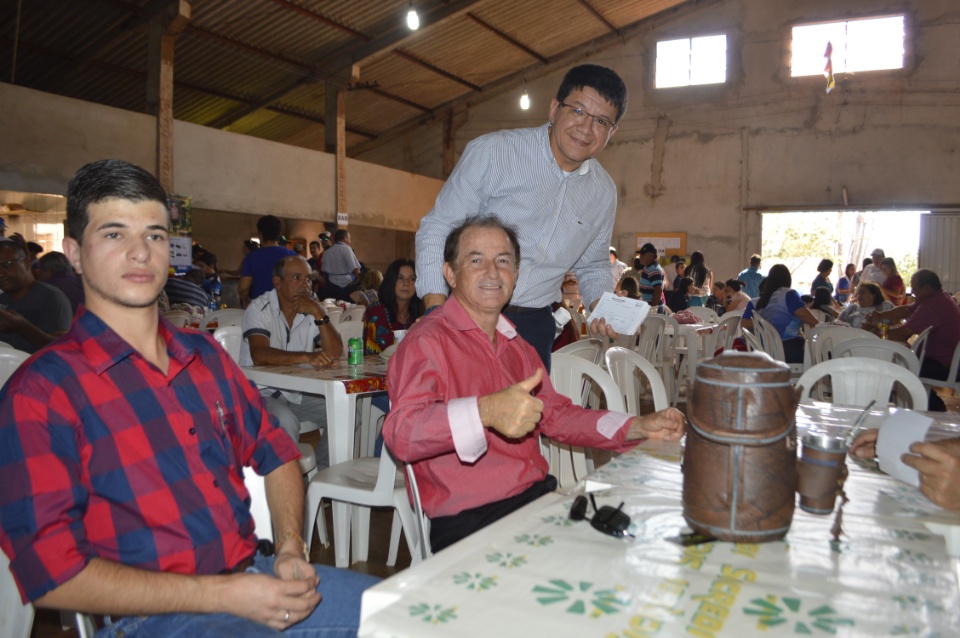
{"x":216,"y":483}
{"x":193,"y":430}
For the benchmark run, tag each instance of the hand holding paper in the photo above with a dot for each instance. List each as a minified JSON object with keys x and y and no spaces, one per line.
{"x":620,"y":313}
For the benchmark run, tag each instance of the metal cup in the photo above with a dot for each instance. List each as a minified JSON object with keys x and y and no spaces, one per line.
{"x":820,"y":472}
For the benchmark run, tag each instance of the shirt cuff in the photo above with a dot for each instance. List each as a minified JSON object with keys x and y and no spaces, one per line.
{"x":610,"y":423}
{"x":469,"y":438}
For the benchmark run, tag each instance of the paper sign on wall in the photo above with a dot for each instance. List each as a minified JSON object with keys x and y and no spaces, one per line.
{"x":343,"y":219}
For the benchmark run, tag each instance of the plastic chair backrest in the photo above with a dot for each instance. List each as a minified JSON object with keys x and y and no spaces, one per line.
{"x":829,"y":337}
{"x":423,"y":523}
{"x":223,"y":317}
{"x":16,"y":618}
{"x":568,"y":372}
{"x":951,"y":380}
{"x":588,"y":349}
{"x":353,"y":314}
{"x":230,"y":337}
{"x":350,"y":330}
{"x":753,"y":343}
{"x":856,"y":381}
{"x":879,"y":349}
{"x":919,"y":345}
{"x":10,"y":360}
{"x":708,"y":315}
{"x":628,"y":369}
{"x":728,"y":327}
{"x":651,"y":342}
{"x":769,"y":338}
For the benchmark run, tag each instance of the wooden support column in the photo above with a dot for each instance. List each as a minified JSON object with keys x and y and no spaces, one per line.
{"x":336,"y":135}
{"x":164,"y":30}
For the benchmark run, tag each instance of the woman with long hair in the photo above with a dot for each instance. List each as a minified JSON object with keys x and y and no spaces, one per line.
{"x":823,"y":302}
{"x":680,"y":297}
{"x":399,"y":306}
{"x":893,"y":289}
{"x":869,"y":299}
{"x":780,"y":305}
{"x":702,"y":278}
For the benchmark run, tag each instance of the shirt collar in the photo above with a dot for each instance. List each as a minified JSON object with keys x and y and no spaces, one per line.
{"x":457,"y":317}
{"x":104,"y":348}
{"x":543,"y":133}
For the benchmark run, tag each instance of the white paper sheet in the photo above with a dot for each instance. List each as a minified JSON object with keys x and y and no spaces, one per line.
{"x":897,"y":433}
{"x":623,"y":313}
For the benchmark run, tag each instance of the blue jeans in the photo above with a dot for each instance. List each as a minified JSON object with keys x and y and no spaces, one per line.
{"x":337,"y":615}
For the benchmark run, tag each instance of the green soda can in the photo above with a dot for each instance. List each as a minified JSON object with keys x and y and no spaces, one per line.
{"x":355,"y":351}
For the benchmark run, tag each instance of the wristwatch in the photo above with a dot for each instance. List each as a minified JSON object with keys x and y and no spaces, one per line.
{"x":322,"y":320}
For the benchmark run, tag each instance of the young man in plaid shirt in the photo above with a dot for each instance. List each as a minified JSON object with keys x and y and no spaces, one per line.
{"x":122,"y":447}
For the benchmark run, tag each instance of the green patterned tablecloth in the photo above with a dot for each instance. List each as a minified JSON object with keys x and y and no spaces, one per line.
{"x":537,"y":573}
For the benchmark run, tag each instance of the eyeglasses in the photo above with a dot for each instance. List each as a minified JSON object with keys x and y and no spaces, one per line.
{"x":609,"y":520}
{"x":601,"y":123}
{"x":5,"y":265}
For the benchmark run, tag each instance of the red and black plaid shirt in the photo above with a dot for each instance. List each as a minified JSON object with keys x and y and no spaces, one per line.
{"x":103,"y":455}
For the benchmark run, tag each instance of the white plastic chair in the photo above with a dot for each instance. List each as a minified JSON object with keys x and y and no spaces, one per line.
{"x":353,"y":314}
{"x":588,"y":349}
{"x":753,"y":343}
{"x":16,"y":618}
{"x":707,"y":315}
{"x":827,"y":338}
{"x":656,"y":347}
{"x":951,"y":380}
{"x":629,"y":370}
{"x":179,"y":318}
{"x":919,"y":345}
{"x":773,"y":343}
{"x":422,"y":522}
{"x":568,"y":373}
{"x":222,"y":317}
{"x":856,"y":381}
{"x":10,"y":360}
{"x":350,"y":330}
{"x":4,"y":344}
{"x":364,"y":483}
{"x":728,"y":329}
{"x":230,"y":337}
{"x":879,"y":349}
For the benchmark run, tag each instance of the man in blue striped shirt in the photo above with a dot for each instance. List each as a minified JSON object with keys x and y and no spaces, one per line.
{"x":547,"y":183}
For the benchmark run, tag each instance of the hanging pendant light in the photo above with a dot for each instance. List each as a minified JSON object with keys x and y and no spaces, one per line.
{"x":413,"y":20}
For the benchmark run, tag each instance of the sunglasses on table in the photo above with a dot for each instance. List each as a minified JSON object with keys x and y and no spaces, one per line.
{"x":612,"y":521}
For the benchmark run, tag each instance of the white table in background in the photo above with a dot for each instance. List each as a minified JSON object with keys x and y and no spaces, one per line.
{"x":340,"y":385}
{"x":538,"y":573}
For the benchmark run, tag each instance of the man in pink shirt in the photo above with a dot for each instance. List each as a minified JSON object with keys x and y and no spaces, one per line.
{"x":470,"y":399}
{"x":935,"y":309}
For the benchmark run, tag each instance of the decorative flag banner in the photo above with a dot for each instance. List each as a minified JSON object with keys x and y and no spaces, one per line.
{"x":828,"y":69}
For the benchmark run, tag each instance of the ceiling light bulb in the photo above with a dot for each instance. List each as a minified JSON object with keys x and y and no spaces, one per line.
{"x":525,"y":101}
{"x":413,"y":20}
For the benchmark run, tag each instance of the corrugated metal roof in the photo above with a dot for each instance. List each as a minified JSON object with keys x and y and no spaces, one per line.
{"x":261,"y":67}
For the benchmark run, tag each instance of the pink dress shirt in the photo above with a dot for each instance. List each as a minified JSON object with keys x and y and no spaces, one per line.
{"x":441,"y":367}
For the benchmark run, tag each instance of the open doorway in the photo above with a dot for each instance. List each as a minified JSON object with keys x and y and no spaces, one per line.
{"x":801,"y":239}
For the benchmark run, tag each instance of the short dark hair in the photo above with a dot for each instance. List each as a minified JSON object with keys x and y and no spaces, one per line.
{"x":754,"y":260}
{"x":733,"y":284}
{"x":599,"y":78}
{"x":208,"y":258}
{"x":108,"y":179}
{"x":926,"y":277}
{"x":55,"y":262}
{"x":341,"y":234}
{"x":269,"y":228}
{"x":451,"y":249}
{"x":313,"y":243}
{"x":824,"y":265}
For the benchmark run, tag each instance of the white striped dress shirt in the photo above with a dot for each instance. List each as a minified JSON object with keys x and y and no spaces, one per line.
{"x":564,"y":220}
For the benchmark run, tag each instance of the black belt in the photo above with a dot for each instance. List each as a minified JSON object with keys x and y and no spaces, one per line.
{"x":522,"y":310}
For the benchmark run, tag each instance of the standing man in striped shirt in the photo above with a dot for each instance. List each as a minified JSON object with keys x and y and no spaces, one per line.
{"x":547,"y":183}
